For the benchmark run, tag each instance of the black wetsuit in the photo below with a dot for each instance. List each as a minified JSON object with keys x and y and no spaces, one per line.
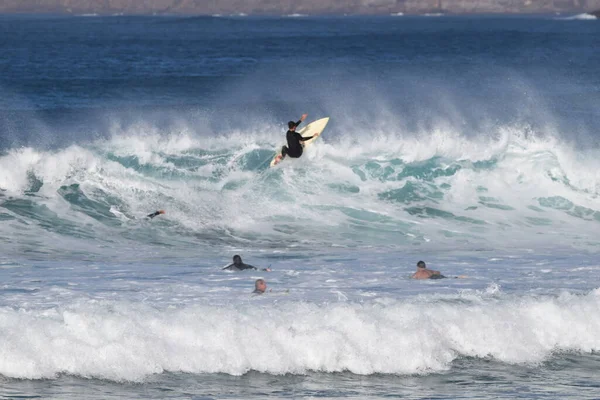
{"x":437,"y":276}
{"x":294,"y":148}
{"x":240,"y":267}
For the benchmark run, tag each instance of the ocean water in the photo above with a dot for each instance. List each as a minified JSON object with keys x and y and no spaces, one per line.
{"x":468,"y":142}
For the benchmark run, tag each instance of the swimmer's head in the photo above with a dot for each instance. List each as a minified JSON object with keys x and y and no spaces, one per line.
{"x":260,"y":286}
{"x":421,"y":264}
{"x":237,"y":260}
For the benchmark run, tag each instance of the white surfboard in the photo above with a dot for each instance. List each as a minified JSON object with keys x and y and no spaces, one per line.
{"x":314,"y":128}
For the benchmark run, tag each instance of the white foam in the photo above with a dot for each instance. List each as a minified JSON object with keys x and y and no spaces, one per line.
{"x":129,"y":341}
{"x":580,"y":17}
{"x":222,"y":193}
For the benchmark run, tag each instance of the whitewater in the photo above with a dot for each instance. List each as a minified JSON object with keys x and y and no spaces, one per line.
{"x":385,"y":189}
{"x":480,"y":159}
{"x":342,"y":228}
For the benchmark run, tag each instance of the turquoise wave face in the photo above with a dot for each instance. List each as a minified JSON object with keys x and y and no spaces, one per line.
{"x":439,"y":191}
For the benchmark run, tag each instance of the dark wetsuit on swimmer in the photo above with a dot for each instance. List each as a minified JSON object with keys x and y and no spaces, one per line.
{"x":294,"y":147}
{"x":238,"y":265}
{"x":437,"y":276}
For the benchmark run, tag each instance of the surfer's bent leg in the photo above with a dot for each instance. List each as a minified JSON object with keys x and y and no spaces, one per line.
{"x":284,"y":152}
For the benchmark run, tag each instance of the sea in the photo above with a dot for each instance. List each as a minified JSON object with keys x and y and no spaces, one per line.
{"x":469,"y":142}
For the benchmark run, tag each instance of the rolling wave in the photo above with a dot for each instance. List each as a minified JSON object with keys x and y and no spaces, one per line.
{"x":129,"y":341}
{"x":439,"y":189}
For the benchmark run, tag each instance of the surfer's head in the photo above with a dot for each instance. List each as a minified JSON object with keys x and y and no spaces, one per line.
{"x":421,"y":264}
{"x":237,"y":260}
{"x":291,"y":125}
{"x":260,"y":286}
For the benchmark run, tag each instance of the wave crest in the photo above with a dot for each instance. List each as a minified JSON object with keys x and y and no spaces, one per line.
{"x":440,"y":188}
{"x":123,"y":341}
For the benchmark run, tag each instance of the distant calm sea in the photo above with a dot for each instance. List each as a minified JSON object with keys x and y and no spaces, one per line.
{"x":472,"y":143}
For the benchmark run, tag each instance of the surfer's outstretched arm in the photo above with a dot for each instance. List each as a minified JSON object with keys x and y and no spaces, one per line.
{"x":302,"y":118}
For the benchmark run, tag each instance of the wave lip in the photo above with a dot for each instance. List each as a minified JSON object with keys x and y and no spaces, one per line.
{"x":129,"y":341}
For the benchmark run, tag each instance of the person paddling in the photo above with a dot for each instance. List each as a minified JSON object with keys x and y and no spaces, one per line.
{"x":238,"y":265}
{"x":424,"y":273}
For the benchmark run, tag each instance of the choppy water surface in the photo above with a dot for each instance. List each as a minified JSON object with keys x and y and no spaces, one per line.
{"x":470,"y":143}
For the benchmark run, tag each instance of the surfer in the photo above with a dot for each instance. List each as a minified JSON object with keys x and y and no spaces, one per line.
{"x":294,"y":146}
{"x":260,"y":286}
{"x":238,"y":265}
{"x":155,"y":213}
{"x":424,"y":273}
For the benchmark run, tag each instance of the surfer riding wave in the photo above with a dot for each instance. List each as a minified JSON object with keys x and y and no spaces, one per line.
{"x":294,"y":146}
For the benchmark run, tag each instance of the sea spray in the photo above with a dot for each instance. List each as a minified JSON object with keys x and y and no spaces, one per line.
{"x":441,"y":188}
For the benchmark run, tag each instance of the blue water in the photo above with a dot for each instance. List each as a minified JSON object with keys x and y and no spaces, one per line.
{"x":469,"y":142}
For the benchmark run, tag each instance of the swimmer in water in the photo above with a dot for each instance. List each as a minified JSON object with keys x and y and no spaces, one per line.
{"x":260,"y":286}
{"x":238,"y":265}
{"x":424,"y":273}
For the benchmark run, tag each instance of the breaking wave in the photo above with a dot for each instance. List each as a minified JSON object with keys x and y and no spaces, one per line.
{"x":388,"y":188}
{"x":129,"y":341}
